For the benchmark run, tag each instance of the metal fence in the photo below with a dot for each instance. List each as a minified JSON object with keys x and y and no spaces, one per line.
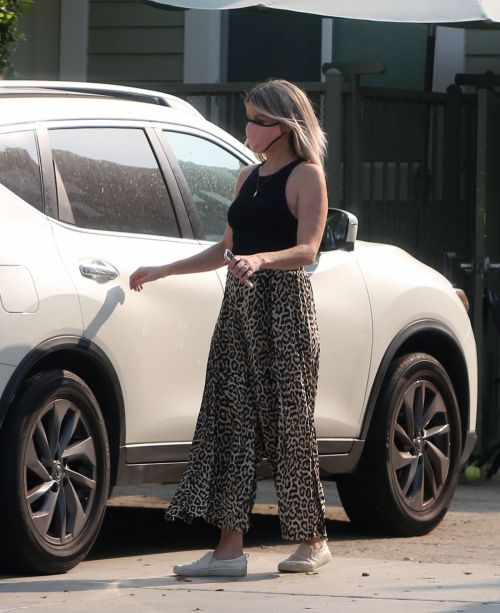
{"x":417,"y":172}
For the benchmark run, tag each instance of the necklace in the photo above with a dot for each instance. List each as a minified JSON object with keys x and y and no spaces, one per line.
{"x":261,"y":184}
{"x":267,"y":177}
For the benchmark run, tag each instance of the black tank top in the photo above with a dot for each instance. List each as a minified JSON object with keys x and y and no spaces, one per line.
{"x":259,"y":216}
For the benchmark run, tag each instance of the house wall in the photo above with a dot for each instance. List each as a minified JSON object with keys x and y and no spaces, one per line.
{"x":134,"y":43}
{"x":205,"y":46}
{"x":114,"y":41}
{"x":267,"y":43}
{"x":37,"y":57}
{"x":449,"y":57}
{"x":127,"y":41}
{"x":482,"y":51}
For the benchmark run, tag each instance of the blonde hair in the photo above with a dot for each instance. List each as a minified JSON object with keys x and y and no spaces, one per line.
{"x":285,"y":102}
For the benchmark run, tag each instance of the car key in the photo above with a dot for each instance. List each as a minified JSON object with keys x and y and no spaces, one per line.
{"x":228,"y":256}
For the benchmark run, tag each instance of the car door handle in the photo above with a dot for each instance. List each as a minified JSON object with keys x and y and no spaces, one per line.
{"x":98,"y":270}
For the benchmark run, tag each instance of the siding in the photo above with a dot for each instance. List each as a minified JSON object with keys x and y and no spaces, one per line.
{"x":37,"y":57}
{"x":134,"y":44}
{"x":482,"y":51}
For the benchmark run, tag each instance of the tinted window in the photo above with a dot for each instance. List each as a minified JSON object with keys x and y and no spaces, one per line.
{"x":20,"y":166}
{"x":211,"y":173}
{"x":109,"y":179}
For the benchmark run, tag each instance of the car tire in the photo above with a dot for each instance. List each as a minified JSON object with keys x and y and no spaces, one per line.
{"x":54,"y":475}
{"x":409,"y":467}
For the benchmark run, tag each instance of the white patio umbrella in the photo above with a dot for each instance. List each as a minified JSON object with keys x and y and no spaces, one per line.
{"x":416,"y":11}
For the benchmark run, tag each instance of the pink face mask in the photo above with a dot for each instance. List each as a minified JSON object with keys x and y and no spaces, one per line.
{"x":261,"y":137}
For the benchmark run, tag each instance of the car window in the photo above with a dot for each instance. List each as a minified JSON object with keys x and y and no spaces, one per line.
{"x":211,"y":173}
{"x":20,"y":166}
{"x":109,"y":179}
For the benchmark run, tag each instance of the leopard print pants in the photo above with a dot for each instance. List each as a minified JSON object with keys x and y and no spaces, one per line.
{"x":258,"y":402}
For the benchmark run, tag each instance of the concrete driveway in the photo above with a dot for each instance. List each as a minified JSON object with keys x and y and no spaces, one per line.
{"x":453,"y":569}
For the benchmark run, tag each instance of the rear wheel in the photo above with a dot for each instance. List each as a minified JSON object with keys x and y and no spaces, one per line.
{"x":54,"y":475}
{"x":409,"y":469}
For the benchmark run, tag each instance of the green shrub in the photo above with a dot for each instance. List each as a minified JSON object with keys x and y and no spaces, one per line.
{"x":10,"y":11}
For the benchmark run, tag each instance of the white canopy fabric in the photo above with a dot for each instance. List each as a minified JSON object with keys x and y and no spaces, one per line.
{"x":415,"y":11}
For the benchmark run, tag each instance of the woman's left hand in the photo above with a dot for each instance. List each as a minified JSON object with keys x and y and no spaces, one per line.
{"x":243,"y":266}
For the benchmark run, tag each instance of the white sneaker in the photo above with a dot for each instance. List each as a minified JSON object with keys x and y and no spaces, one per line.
{"x":305,"y":559}
{"x":208,"y":566}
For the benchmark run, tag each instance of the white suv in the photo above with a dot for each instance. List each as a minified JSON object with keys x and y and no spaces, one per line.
{"x":101,"y":386}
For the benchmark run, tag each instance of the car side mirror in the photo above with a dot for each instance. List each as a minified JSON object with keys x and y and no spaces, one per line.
{"x":340,"y":231}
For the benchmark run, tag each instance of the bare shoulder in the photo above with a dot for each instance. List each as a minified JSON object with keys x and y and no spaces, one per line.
{"x":246,"y":172}
{"x":308,"y":172}
{"x":243,"y":176}
{"x":306,"y":177}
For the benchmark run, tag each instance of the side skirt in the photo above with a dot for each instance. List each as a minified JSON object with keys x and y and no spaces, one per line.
{"x":141,"y":464}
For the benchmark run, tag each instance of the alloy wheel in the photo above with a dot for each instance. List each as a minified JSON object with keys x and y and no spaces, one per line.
{"x":60,"y":472}
{"x":420,"y":445}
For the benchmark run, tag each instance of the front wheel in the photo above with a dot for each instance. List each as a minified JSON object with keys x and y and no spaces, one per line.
{"x":54,"y":475}
{"x":409,"y":469}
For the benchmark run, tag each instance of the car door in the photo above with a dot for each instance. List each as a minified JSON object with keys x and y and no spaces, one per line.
{"x":37,"y":299}
{"x":118,"y":209}
{"x":345,"y":326}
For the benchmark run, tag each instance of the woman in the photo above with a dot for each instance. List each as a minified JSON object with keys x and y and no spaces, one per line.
{"x":262,"y":370}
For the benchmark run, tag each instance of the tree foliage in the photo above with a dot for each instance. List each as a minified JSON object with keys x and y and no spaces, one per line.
{"x":10,"y":11}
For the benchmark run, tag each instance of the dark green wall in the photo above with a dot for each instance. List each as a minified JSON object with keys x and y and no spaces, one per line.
{"x":263,"y":44}
{"x":400,"y":46}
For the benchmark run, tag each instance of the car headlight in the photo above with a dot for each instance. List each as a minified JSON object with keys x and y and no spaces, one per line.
{"x":463,"y":298}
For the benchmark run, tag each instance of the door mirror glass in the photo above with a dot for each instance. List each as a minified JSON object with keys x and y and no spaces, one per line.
{"x":340,"y":231}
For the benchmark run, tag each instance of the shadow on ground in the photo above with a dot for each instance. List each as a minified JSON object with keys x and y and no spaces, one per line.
{"x":132,"y":531}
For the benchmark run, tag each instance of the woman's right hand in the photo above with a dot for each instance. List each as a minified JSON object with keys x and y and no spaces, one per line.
{"x":145,"y":274}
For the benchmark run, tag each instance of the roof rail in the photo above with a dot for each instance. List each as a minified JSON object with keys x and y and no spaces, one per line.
{"x":115,"y":91}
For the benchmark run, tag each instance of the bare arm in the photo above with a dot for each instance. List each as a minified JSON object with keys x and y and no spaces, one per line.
{"x":208,"y":259}
{"x":212,"y":257}
{"x":309,"y":196}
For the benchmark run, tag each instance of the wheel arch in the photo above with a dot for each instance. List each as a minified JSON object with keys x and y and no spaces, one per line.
{"x":89,"y":362}
{"x":435,"y":338}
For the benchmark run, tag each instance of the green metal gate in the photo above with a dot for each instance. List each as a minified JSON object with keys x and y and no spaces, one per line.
{"x":422,"y":171}
{"x":485,"y":263}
